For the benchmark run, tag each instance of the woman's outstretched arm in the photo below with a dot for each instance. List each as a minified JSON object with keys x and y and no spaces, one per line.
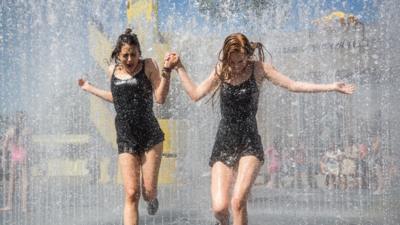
{"x":103,"y":94}
{"x":281,"y":80}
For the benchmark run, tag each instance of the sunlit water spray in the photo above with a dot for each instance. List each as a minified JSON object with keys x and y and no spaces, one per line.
{"x":73,"y":172}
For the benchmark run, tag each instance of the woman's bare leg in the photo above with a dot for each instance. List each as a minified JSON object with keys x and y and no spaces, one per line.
{"x":247,"y":171}
{"x":221,"y":180}
{"x":130,"y":169}
{"x":151,"y":161}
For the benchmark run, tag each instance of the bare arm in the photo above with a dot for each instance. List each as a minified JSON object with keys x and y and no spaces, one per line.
{"x":159,"y":83}
{"x":283,"y":81}
{"x":195,"y":92}
{"x":103,"y":94}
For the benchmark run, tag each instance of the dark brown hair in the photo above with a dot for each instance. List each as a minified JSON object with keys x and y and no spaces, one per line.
{"x":126,"y":38}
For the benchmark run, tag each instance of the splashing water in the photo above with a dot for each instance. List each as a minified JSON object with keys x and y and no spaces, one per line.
{"x":72,"y":175}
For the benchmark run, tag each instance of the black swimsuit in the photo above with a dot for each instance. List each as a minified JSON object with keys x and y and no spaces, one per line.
{"x":137,"y":127}
{"x":237,"y":133}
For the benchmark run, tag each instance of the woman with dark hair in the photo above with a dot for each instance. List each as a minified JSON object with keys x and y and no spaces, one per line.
{"x":134,"y":81}
{"x":238,"y":153}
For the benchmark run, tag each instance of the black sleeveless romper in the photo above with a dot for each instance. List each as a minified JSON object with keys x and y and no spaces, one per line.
{"x":237,"y":133}
{"x":137,"y":127}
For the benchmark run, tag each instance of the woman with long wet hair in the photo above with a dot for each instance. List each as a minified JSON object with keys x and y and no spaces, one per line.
{"x":237,"y":154}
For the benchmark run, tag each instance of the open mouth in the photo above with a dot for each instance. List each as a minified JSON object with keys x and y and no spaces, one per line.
{"x":130,"y":67}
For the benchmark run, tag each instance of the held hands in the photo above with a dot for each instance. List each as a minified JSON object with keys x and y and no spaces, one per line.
{"x":344,"y":88}
{"x":172,"y":60}
{"x":167,"y":67}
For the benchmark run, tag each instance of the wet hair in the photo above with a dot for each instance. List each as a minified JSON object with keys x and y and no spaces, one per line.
{"x":236,"y":43}
{"x":128,"y":38}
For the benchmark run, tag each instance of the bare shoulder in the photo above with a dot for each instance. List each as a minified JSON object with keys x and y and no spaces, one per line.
{"x":216,"y":71}
{"x":218,"y":67}
{"x":150,"y":66}
{"x":260,"y":71}
{"x":111,"y":69}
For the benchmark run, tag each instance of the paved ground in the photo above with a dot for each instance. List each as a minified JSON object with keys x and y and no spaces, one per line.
{"x":53,"y":203}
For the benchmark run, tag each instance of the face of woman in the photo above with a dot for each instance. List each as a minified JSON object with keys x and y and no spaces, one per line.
{"x":238,"y":62}
{"x":129,"y":57}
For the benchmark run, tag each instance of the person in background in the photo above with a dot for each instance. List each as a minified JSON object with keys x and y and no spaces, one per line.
{"x":349,"y":167}
{"x":330,"y":166}
{"x":393,"y":171}
{"x":375,"y":164}
{"x":300,"y":165}
{"x":15,"y":145}
{"x":274,"y":163}
{"x":362,"y":167}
